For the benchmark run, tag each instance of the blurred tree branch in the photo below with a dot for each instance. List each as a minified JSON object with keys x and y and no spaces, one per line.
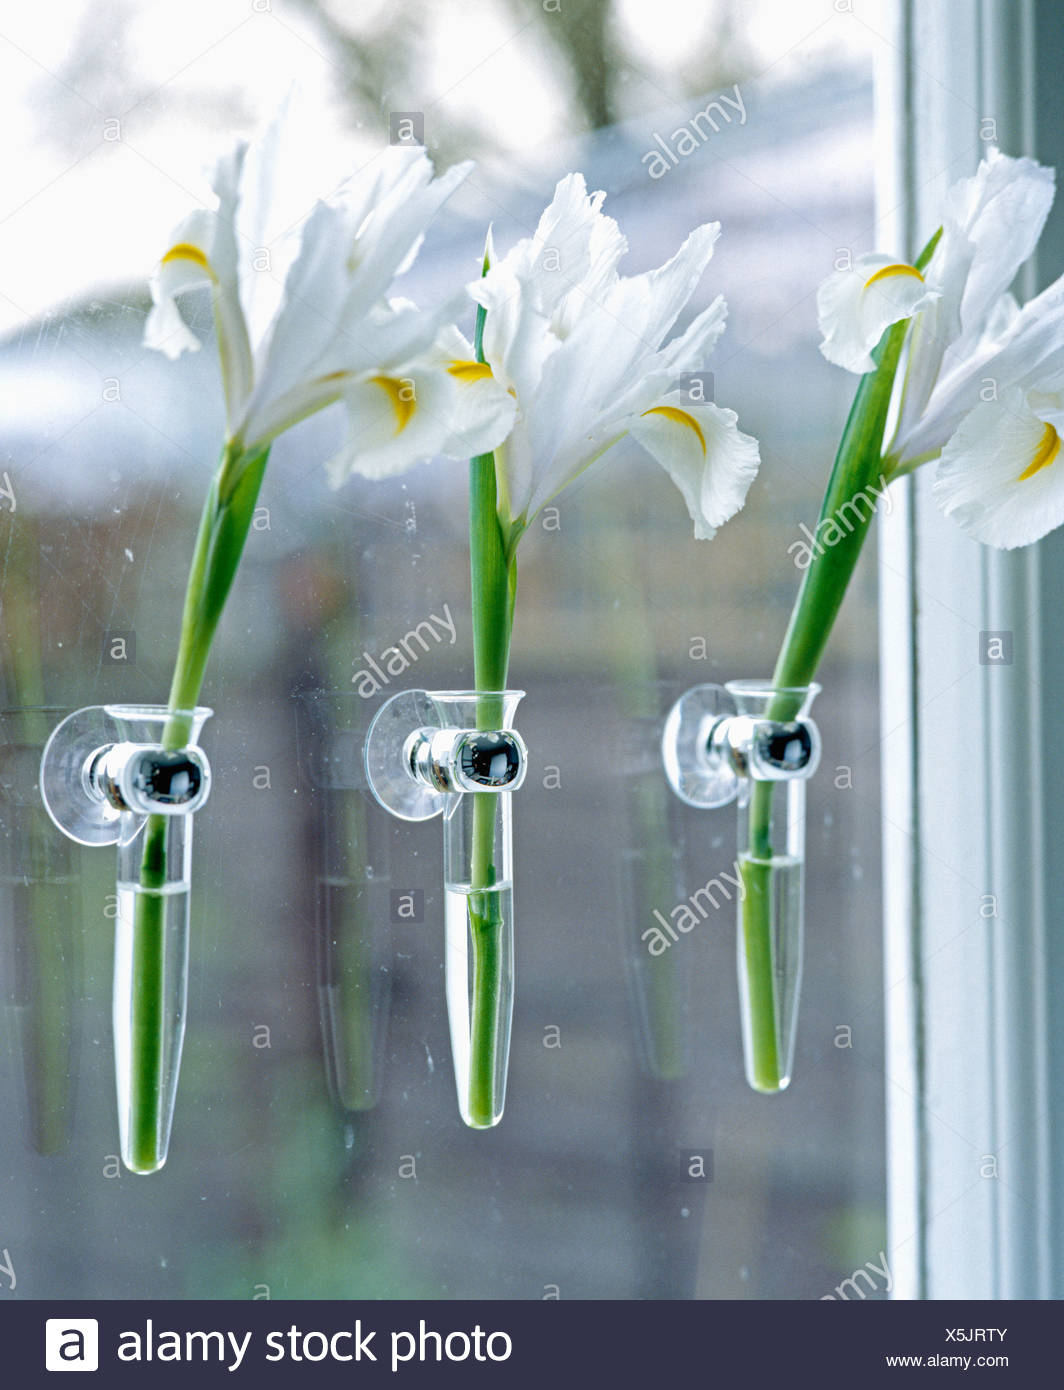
{"x":384,"y":57}
{"x":581,"y":31}
{"x":373,"y":59}
{"x":378,"y":59}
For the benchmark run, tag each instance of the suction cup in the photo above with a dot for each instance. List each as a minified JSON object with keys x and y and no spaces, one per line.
{"x":69,"y":798}
{"x":387,"y":759}
{"x":697,"y":775}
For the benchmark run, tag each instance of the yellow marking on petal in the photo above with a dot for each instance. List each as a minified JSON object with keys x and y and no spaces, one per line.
{"x":185,"y":251}
{"x":401,"y":395}
{"x":887,"y":272}
{"x":1048,"y":449}
{"x":679,"y":417}
{"x":466,"y":370}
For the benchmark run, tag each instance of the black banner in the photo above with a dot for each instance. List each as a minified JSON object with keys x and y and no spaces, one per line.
{"x":523,"y":1344}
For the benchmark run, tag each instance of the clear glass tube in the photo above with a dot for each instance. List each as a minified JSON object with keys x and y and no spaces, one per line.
{"x":40,"y":932}
{"x":479,"y":966}
{"x":479,"y":921}
{"x":151,"y":958}
{"x":771,"y":838}
{"x":150,"y":990}
{"x":770,"y":938}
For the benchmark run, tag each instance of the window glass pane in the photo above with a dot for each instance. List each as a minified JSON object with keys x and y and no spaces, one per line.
{"x":623,"y":1067}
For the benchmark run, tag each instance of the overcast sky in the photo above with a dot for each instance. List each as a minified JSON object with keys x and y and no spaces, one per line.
{"x":91,"y":182}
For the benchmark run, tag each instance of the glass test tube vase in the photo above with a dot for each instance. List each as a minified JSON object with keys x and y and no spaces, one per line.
{"x":132,"y":776}
{"x":456,"y":754}
{"x":753,"y":743}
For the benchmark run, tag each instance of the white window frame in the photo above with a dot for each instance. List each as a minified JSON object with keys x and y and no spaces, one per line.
{"x":971,"y":755}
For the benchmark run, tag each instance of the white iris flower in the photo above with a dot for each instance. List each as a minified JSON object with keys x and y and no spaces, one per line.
{"x":981,"y":387}
{"x":302,"y":314}
{"x":581,"y":348}
{"x":578,"y":347}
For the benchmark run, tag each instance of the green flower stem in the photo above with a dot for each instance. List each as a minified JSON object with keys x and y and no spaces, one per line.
{"x":858,"y":466}
{"x":493,"y":585}
{"x":223,"y":530}
{"x":819,"y":599}
{"x":494,"y":580}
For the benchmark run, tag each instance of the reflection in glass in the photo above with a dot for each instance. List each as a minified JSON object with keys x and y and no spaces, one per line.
{"x":40,"y":933}
{"x":652,"y":871}
{"x":352,"y":900}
